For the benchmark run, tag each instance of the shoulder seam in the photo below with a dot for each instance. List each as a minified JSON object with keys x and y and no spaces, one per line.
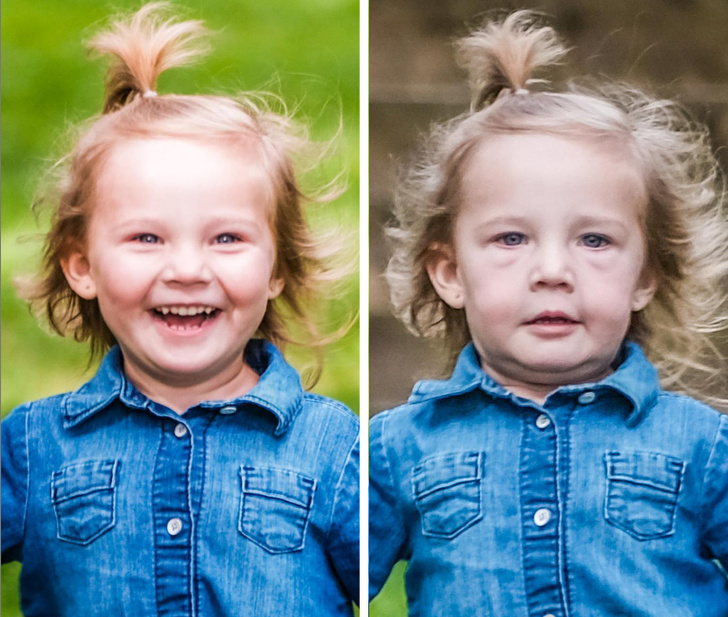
{"x":706,"y":487}
{"x":335,"y":500}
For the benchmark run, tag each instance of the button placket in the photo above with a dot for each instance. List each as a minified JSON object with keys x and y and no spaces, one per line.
{"x":538,"y":488}
{"x":173,"y":518}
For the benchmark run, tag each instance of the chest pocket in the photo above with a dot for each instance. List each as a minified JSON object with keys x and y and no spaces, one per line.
{"x":447,"y":492}
{"x":275,"y":507}
{"x":642,"y":491}
{"x":83,"y":496}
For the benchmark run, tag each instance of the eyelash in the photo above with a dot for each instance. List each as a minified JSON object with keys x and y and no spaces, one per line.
{"x":233,"y":238}
{"x":146,"y":238}
{"x":603,"y":241}
{"x":502,"y":238}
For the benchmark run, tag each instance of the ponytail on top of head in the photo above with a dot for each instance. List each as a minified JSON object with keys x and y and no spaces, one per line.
{"x":501,"y":56}
{"x":142,"y":48}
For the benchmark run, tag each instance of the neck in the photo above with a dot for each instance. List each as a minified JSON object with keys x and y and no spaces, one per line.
{"x":534,"y":390}
{"x":180,"y":398}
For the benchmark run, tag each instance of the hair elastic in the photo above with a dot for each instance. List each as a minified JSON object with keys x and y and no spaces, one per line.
{"x":149,"y":94}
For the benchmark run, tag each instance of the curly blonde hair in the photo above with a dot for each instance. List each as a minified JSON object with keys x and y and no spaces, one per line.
{"x":686,"y":224}
{"x":142,"y":47}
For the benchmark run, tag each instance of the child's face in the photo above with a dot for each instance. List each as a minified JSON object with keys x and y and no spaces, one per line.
{"x":548,"y":258}
{"x":180,"y":256}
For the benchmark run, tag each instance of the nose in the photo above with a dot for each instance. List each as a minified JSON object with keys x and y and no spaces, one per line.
{"x":552,"y":269}
{"x":186,"y":265}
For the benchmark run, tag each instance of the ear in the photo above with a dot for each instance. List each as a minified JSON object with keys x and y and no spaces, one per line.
{"x":644,"y":292}
{"x":275,"y":287}
{"x":442,"y":269}
{"x":77,"y":270}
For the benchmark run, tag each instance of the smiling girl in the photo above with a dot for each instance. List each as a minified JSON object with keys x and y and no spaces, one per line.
{"x":560,"y":243}
{"x":193,"y":475}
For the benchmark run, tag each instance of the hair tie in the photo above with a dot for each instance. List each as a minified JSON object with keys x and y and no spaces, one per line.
{"x":520,"y":91}
{"x":149,"y":94}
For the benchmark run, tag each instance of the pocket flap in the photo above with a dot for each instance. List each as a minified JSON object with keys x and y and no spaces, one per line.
{"x":279,"y":484}
{"x":82,"y":478}
{"x":446,"y":470}
{"x":646,"y":468}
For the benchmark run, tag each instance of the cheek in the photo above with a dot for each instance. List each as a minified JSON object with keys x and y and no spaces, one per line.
{"x":247,"y":283}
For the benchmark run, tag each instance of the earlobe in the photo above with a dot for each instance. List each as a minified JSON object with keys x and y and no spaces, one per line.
{"x":275,"y":288}
{"x":77,"y":270}
{"x":443,"y":272}
{"x":644,"y":293}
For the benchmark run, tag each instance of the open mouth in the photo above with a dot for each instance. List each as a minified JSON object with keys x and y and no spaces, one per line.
{"x":185,"y":317}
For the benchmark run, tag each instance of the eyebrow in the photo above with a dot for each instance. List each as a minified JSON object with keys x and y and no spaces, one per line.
{"x":599,"y":220}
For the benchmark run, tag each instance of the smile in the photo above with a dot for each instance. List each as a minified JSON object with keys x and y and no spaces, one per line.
{"x":185,"y":317}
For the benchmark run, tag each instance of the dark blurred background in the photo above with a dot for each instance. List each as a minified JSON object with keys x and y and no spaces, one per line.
{"x":673,"y":48}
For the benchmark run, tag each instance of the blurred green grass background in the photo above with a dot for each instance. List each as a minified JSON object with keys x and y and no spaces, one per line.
{"x":306,"y":52}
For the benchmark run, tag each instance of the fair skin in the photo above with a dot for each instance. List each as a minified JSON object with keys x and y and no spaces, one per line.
{"x":180,"y":256}
{"x":547,"y":258}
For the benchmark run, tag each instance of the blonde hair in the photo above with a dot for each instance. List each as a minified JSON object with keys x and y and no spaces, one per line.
{"x":686,"y":223}
{"x":142,"y":47}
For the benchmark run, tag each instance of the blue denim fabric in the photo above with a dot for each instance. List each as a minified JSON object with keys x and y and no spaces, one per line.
{"x":116,"y":505}
{"x":610,"y":499}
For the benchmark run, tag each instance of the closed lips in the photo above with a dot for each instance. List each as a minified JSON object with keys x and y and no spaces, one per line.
{"x":552,"y":318}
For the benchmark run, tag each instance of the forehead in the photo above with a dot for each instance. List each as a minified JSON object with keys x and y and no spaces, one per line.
{"x":549,"y":174}
{"x":163,"y":170}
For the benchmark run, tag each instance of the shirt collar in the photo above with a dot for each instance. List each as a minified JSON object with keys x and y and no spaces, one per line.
{"x":278,"y":390}
{"x":635,"y":379}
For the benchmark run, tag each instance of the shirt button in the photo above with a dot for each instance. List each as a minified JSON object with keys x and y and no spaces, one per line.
{"x":543,"y":421}
{"x":180,"y":430}
{"x":174,"y":526}
{"x":549,"y":615}
{"x":586,"y":397}
{"x":542,"y":516}
{"x":226,"y":411}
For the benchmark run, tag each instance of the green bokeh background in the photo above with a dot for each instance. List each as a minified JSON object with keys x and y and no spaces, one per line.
{"x":306,"y":52}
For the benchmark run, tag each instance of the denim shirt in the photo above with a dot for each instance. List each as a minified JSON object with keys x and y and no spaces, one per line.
{"x":610,"y":499}
{"x":116,"y":505}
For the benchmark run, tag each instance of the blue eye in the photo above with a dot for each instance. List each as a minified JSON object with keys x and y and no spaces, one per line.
{"x":146,"y":238}
{"x":595,"y":241}
{"x":228,"y":238}
{"x":511,"y":238}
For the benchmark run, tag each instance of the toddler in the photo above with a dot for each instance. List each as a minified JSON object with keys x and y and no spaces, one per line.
{"x":192,"y":475}
{"x":572,"y":247}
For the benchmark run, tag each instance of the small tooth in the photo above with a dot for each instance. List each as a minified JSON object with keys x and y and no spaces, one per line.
{"x":208,"y":310}
{"x":164,"y":310}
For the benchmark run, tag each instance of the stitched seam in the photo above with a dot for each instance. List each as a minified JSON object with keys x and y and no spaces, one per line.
{"x":339,"y":408}
{"x":706,"y":486}
{"x":390,"y":477}
{"x":155,"y":519}
{"x":26,"y":438}
{"x":564,"y":569}
{"x":339,"y":484}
